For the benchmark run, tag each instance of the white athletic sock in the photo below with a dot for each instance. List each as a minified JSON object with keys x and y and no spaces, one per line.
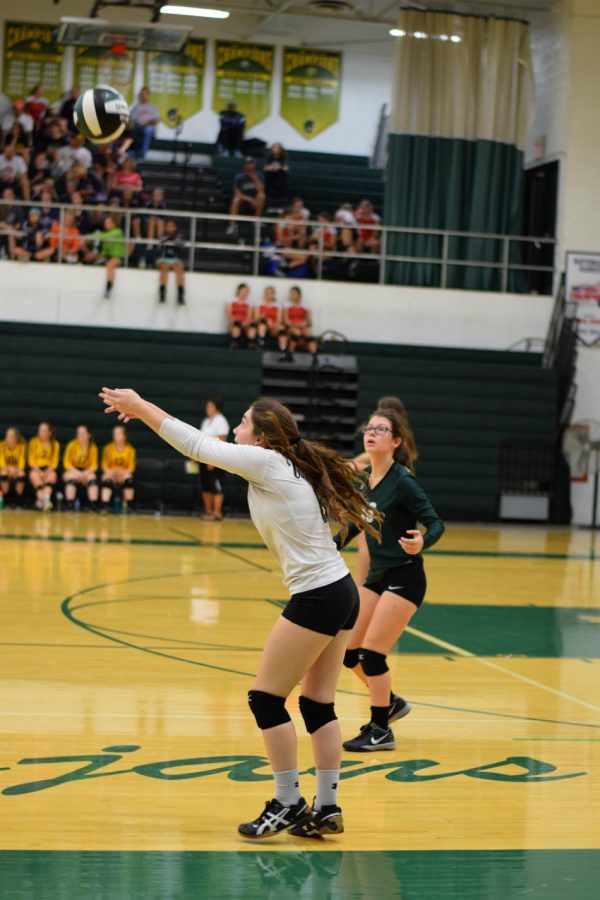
{"x":327,"y":785}
{"x":286,"y":787}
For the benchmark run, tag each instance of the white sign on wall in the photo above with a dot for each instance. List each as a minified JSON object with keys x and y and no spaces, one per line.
{"x":582,"y":287}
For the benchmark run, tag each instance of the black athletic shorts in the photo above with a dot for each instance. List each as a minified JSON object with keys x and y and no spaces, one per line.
{"x":327,"y":609}
{"x":210,"y":479}
{"x":406,"y":581}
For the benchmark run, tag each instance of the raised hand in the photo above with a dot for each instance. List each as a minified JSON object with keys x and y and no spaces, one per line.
{"x":123,"y":401}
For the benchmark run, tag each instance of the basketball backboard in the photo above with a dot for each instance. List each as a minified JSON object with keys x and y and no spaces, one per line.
{"x":135,"y":36}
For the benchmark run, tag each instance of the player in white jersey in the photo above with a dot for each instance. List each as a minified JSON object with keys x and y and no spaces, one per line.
{"x":295,"y":486}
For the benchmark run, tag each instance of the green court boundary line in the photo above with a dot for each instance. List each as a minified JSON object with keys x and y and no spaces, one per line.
{"x":68,"y":611}
{"x":248,"y":545}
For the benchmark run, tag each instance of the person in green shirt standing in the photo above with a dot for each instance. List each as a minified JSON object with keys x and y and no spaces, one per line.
{"x":395,"y":584}
{"x":113,"y":250}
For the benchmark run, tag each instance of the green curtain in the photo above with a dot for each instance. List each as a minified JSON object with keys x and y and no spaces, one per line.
{"x":456,"y":185}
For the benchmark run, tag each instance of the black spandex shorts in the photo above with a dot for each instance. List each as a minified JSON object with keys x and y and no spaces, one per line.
{"x":327,"y":609}
{"x":210,"y":479}
{"x":406,"y":581}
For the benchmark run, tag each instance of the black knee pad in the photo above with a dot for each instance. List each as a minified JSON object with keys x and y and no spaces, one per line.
{"x":106,"y":482}
{"x":315,"y":714}
{"x":69,"y":481}
{"x":282,"y":332}
{"x":128,"y":482}
{"x":267,"y":709}
{"x":20,"y":479}
{"x":373,"y":663}
{"x":351,"y":659}
{"x":237,"y":323}
{"x":92,"y":483}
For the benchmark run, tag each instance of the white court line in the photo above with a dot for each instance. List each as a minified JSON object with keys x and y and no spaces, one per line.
{"x":492,"y":665}
{"x":74,"y":715}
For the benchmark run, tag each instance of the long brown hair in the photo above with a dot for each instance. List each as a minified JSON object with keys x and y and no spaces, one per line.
{"x":400,"y":429}
{"x":336,"y":484}
{"x":408,"y":438}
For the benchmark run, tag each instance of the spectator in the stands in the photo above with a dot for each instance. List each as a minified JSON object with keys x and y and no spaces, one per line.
{"x":297,"y":259}
{"x":11,"y":218}
{"x":144,"y":118}
{"x":39,"y":172}
{"x":21,"y":140}
{"x":12,"y":464}
{"x":216,"y":426}
{"x":81,"y":216}
{"x":13,"y":172}
{"x":74,"y":151}
{"x":17,"y":114}
{"x":67,"y":107}
{"x":43,"y":453}
{"x":325,"y":233}
{"x":112,"y":250}
{"x":170,"y":252}
{"x":231,"y":134}
{"x":49,"y":213}
{"x":297,"y":321}
{"x":80,"y":467}
{"x":276,"y":172}
{"x":155,"y":224}
{"x":239,"y":318}
{"x":126,"y":176}
{"x":67,"y":245}
{"x":34,"y":243}
{"x":248,"y":194}
{"x":268,"y":319}
{"x":36,"y":104}
{"x":345,"y":219}
{"x":53,"y":134}
{"x":369,"y":240}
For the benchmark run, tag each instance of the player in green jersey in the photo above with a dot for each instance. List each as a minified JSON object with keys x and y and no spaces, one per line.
{"x":395,"y":585}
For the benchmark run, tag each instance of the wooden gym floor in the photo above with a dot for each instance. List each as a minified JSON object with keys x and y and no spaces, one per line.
{"x":128,"y":755}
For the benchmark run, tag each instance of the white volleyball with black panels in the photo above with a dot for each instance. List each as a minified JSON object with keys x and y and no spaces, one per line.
{"x":101,"y":114}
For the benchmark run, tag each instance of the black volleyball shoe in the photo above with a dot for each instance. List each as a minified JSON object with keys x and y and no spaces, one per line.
{"x":274,"y":818}
{"x":319,"y":822}
{"x":398,"y":708}
{"x":370,"y":739}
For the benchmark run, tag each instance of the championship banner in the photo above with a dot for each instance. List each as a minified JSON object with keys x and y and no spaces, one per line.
{"x":243,"y":74}
{"x":175,"y":81}
{"x":31,"y":56}
{"x":96,"y":65}
{"x":310,"y":95}
{"x":582,"y":287}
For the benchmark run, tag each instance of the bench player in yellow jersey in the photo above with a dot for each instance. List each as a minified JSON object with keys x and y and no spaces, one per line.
{"x":118,"y":466}
{"x":80,"y":467}
{"x":43,"y":454}
{"x":12,"y":463}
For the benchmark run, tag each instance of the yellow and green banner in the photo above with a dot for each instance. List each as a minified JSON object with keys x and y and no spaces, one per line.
{"x":311,"y":89}
{"x":31,"y":56}
{"x":243,"y":74}
{"x":96,"y":65}
{"x":175,"y":81}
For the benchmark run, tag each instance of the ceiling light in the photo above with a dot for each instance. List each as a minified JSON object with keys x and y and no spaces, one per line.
{"x":397,"y":32}
{"x":455,"y":38}
{"x":195,"y":11}
{"x":420,"y":35}
{"x":443,"y":37}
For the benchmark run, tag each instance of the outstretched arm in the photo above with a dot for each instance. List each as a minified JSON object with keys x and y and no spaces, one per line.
{"x":248,"y":461}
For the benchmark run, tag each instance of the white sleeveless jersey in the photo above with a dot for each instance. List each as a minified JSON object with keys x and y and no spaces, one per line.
{"x":282,"y":504}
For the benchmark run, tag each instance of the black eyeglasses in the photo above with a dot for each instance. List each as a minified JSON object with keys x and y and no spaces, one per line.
{"x":376,"y":429}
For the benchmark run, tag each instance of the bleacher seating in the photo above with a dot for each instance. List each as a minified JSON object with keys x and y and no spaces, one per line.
{"x":55,"y":372}
{"x":463,"y":404}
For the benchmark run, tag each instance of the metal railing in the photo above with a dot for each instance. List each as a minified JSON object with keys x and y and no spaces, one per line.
{"x":386,"y":266}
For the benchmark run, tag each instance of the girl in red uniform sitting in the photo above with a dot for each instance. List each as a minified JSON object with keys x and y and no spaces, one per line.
{"x":268,"y":319}
{"x":239,"y":319}
{"x":297,"y":321}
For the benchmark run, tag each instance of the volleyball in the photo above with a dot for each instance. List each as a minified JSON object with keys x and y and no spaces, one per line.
{"x":101,"y":114}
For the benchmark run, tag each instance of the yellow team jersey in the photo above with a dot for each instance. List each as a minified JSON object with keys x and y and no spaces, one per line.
{"x":118,"y":459}
{"x":75,"y":458}
{"x":14,"y":457}
{"x":43,"y":455}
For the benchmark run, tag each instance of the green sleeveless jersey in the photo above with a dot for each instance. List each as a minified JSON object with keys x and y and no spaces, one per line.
{"x":404,"y":503}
